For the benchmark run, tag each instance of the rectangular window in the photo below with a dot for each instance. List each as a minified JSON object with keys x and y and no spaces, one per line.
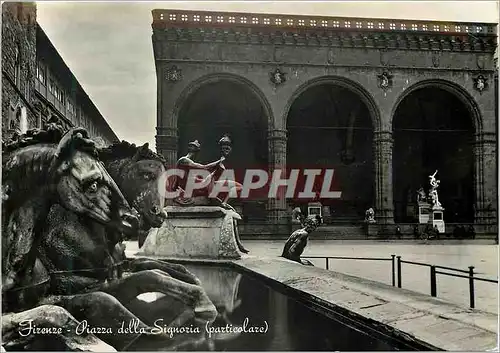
{"x":70,"y":107}
{"x":59,"y":94}
{"x":51,"y":86}
{"x":40,"y":73}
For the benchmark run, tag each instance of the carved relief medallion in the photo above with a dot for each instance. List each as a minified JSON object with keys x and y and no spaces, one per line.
{"x":277,"y":77}
{"x":174,"y":74}
{"x":385,"y":80}
{"x":480,"y":83}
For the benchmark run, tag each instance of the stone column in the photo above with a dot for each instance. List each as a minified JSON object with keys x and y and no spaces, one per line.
{"x":166,"y":144}
{"x":384,"y":206}
{"x":166,"y":126}
{"x":277,"y":207}
{"x":485,"y":182}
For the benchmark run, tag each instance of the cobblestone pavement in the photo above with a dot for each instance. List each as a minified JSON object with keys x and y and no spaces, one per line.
{"x":483,"y":257}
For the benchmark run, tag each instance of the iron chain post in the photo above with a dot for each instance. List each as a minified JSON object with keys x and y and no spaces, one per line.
{"x":399,"y":271}
{"x":433,"y":281}
{"x":471,"y":287}
{"x":393,"y":270}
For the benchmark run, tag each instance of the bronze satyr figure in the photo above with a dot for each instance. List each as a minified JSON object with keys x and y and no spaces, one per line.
{"x":296,"y":243}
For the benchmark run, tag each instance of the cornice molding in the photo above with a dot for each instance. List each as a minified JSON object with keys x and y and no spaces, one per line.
{"x":330,"y":38}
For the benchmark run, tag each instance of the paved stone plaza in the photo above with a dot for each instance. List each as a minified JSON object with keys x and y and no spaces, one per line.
{"x":483,"y":257}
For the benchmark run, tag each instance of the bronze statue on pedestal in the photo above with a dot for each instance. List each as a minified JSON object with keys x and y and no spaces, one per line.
{"x":296,"y":243}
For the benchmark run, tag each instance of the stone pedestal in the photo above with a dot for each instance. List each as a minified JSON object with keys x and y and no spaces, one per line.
{"x":424,"y":212}
{"x":371,"y":229}
{"x":314,"y":208}
{"x":436,"y":218}
{"x":194,"y":232}
{"x":327,"y":215}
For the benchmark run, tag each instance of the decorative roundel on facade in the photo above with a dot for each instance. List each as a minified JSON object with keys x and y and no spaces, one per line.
{"x":173,"y":74}
{"x":480,"y":83}
{"x":385,"y":80}
{"x":277,"y":77}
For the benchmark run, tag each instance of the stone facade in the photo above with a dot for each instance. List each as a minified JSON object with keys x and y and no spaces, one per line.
{"x":29,"y":61}
{"x":18,"y":67}
{"x":382,"y":61}
{"x":59,"y":92}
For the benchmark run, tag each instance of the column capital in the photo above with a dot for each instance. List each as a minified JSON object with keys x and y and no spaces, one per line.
{"x":277,"y":134}
{"x":383,"y":136}
{"x":485,"y":138}
{"x":166,"y":142}
{"x":166,"y":131}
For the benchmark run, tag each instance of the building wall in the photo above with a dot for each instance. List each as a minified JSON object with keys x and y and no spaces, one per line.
{"x":36,"y":82}
{"x":188,"y":55}
{"x":53,"y":97}
{"x":18,"y":67}
{"x":58,"y":92}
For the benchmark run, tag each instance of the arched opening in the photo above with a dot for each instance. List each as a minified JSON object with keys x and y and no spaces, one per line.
{"x":330,"y":127}
{"x":433,"y":130}
{"x":228,"y":107}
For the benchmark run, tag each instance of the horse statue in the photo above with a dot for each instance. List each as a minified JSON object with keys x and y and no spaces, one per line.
{"x":40,"y":169}
{"x":37,"y":176}
{"x":93,"y":244}
{"x":137,"y":171}
{"x":83,"y":257}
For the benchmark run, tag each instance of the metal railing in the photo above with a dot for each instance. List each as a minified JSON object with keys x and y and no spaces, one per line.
{"x":396,"y":263}
{"x":327,"y":258}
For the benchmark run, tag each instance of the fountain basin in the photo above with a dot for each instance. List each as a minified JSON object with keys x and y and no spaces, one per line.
{"x":384,"y":317}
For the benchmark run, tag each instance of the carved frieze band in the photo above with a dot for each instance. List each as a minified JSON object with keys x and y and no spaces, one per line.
{"x":348,"y":39}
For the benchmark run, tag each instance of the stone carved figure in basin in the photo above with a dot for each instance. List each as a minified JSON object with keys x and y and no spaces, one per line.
{"x":66,"y":255}
{"x":296,"y":243}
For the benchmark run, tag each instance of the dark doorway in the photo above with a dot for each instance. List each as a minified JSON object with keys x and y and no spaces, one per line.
{"x":329,"y":127}
{"x":433,"y":130}
{"x":226,"y":107}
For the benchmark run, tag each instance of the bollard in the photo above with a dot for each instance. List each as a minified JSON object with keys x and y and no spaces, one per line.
{"x":471,"y":287}
{"x":393,"y":270}
{"x":433,"y":281}
{"x":326,"y":258}
{"x":399,"y":270}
